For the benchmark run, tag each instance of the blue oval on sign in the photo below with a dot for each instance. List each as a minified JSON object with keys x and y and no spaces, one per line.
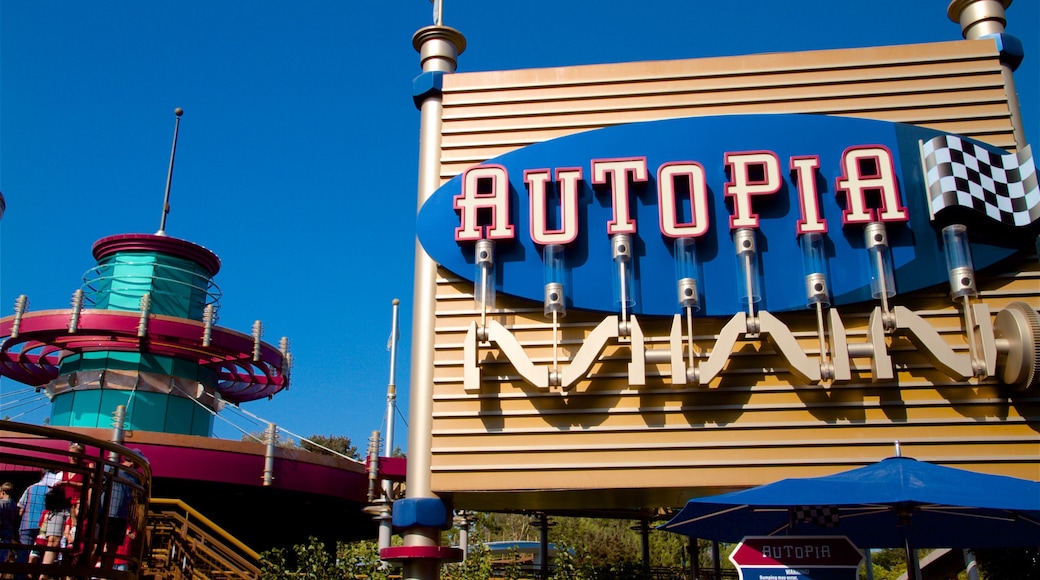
{"x":915,"y":244}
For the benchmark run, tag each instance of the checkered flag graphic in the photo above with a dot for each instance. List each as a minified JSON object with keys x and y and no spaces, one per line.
{"x":825,"y":516}
{"x":959,"y":173}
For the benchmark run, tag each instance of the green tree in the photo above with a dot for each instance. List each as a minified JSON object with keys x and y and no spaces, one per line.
{"x":261,"y":437}
{"x":310,"y":561}
{"x":668,"y":549}
{"x":322,"y":443}
{"x":361,"y":559}
{"x":887,"y":564}
{"x":314,"y":561}
{"x":572,"y":564}
{"x":1009,"y":563}
{"x":497,"y":527}
{"x":609,"y":542}
{"x":476,"y":567}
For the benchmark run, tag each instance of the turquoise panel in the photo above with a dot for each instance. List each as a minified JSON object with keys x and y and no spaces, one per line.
{"x":147,"y":411}
{"x":207,"y":377}
{"x":110,"y":399}
{"x":177,"y":286}
{"x":124,"y":279}
{"x":179,"y":416}
{"x":87,"y":411}
{"x":101,"y":360}
{"x":123,"y":360}
{"x":202,"y":422}
{"x":82,"y":362}
{"x":162,"y":365}
{"x":61,"y":409}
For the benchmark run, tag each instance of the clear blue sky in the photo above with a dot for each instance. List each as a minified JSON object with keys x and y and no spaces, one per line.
{"x":298,"y":151}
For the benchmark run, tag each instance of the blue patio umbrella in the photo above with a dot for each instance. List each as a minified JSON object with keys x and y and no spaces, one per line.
{"x":898,"y":502}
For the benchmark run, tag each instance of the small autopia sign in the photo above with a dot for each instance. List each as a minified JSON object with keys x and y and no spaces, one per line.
{"x":797,"y":558}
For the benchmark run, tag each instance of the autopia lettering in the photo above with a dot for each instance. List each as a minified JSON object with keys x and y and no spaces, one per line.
{"x":700,"y":178}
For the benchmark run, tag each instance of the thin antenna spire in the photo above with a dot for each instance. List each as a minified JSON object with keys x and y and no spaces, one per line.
{"x":438,"y":12}
{"x":169,"y":173}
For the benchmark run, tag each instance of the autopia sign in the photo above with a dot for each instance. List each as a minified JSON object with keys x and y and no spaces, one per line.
{"x":701,"y":178}
{"x":796,"y":558}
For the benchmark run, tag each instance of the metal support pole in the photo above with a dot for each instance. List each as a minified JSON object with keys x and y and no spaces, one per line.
{"x":543,"y":540}
{"x":386,"y":529}
{"x":169,"y":173}
{"x":118,"y":421}
{"x":270,"y":438}
{"x":984,"y":18}
{"x":439,"y":47}
{"x":373,"y":467}
{"x":391,"y":387}
{"x":464,"y":522}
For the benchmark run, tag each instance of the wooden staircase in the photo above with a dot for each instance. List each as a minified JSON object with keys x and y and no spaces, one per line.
{"x":184,"y":544}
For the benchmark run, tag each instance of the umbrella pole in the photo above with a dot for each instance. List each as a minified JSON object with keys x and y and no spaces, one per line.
{"x":644,"y":533}
{"x":695,"y":558}
{"x":716,"y":560}
{"x":913,"y":566}
{"x":970,"y":565}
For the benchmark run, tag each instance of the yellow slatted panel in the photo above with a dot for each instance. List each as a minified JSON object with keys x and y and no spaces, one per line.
{"x":940,"y":91}
{"x":953,"y":86}
{"x":944,"y":117}
{"x":661,"y":443}
{"x":753,"y":425}
{"x":745,"y":65}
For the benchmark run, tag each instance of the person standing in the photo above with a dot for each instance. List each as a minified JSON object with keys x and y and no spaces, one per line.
{"x":71,"y":483}
{"x":53,"y":526}
{"x":122,"y":508}
{"x":30,"y":510}
{"x":8,"y":520}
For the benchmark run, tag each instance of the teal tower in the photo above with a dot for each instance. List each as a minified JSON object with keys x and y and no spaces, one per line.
{"x":161,"y":276}
{"x":141,"y":335}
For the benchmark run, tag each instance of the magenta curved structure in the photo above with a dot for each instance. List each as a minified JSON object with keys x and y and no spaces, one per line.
{"x":33,"y":354}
